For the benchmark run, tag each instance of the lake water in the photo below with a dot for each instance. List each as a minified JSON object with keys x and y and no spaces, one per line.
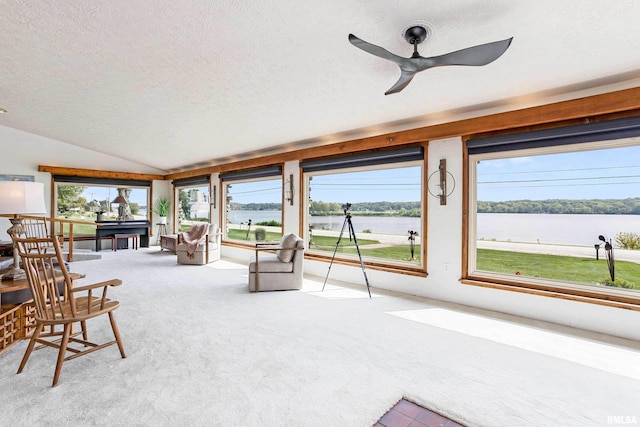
{"x":377,"y":224}
{"x":582,"y":230}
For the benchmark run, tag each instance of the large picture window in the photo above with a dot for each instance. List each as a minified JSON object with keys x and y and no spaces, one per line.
{"x":385,"y":205}
{"x":193,"y":201}
{"x":92,"y":200}
{"x":559,"y":217}
{"x":253,"y":205}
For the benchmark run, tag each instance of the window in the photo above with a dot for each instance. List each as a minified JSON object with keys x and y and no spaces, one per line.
{"x":382,"y":201}
{"x":253,"y":205}
{"x":86,"y":199}
{"x":545,"y":216}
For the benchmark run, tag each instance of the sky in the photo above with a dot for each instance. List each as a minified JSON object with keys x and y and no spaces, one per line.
{"x":599,"y":174}
{"x":109,"y":193}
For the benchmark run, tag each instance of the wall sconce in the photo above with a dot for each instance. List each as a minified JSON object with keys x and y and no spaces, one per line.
{"x":439,"y":187}
{"x":288,"y":190}
{"x":442,"y":168}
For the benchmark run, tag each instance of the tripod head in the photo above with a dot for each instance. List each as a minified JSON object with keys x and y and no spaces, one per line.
{"x":346,"y":208}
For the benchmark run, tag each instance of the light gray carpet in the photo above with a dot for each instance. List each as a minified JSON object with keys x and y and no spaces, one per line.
{"x":203,"y":351}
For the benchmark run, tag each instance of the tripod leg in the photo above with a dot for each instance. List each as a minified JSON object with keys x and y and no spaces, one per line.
{"x":352,"y":233}
{"x":334,"y":252}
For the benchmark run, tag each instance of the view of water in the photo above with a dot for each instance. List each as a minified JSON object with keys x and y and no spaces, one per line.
{"x":376,"y":224}
{"x":580,"y":230}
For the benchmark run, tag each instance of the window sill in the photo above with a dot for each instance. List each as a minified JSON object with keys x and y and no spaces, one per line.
{"x":617,"y":298}
{"x":373,"y":265}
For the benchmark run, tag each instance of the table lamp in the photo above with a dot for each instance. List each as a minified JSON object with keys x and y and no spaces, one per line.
{"x":20,"y":198}
{"x":121,"y":201}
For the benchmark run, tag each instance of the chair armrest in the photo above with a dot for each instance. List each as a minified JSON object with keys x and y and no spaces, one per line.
{"x":276,"y":248}
{"x":112,"y":282}
{"x":89,"y":289}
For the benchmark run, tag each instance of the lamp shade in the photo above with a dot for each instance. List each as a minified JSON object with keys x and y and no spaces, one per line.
{"x":121,"y":200}
{"x":22,"y":197}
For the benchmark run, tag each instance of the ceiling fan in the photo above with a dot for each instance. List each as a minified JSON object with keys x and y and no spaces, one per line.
{"x":476,"y":55}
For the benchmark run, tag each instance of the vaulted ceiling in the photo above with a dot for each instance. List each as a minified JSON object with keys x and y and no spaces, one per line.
{"x":183,"y":84}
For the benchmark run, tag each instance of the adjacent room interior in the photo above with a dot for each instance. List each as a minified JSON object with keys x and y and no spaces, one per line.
{"x":329,"y":214}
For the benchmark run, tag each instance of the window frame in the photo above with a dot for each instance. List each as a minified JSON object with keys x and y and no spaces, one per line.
{"x":85,"y":181}
{"x":177,"y":187}
{"x":370,"y":262}
{"x":610,"y":296}
{"x":269,"y":175}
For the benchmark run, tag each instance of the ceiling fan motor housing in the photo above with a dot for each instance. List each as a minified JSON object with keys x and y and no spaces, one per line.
{"x":416,"y":34}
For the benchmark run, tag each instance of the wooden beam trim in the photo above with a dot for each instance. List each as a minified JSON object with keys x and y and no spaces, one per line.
{"x":94,"y":173}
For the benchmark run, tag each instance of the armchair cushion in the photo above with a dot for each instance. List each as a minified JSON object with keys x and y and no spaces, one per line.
{"x":270,"y":264}
{"x":287,"y":241}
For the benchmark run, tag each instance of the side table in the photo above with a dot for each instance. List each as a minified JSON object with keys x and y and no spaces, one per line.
{"x":162,"y":229}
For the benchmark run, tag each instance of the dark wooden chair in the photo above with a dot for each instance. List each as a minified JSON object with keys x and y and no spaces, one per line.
{"x":45,"y":269}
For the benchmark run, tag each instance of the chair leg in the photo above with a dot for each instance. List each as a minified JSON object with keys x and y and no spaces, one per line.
{"x":85,"y":334}
{"x":32,"y":343}
{"x":61,"y":353}
{"x":116,"y":334}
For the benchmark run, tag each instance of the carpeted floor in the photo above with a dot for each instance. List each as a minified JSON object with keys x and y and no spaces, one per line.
{"x":203,"y":351}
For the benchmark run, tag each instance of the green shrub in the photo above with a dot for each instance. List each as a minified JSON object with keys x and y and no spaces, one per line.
{"x":619,"y":283}
{"x":628,"y":240}
{"x":260,"y":234}
{"x":270,"y":223}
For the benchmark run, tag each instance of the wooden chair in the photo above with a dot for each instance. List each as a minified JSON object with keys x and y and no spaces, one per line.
{"x":37,"y":228}
{"x":74,"y":305}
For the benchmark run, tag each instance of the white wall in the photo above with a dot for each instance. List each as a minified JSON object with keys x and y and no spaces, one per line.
{"x":291,"y":213}
{"x":21,"y":153}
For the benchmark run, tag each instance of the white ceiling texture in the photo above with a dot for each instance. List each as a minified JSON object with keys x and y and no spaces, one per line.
{"x":184,"y":84}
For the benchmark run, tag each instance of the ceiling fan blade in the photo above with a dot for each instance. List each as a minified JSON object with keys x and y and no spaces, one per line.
{"x":477,"y":55}
{"x":403,"y":81}
{"x":374,"y":50}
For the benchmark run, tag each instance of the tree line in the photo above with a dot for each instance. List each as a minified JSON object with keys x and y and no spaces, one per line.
{"x":630,"y":206}
{"x":320,"y":208}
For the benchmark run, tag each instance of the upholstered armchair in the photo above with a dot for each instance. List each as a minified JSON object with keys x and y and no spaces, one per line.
{"x":277,"y":271}
{"x":199,"y":247}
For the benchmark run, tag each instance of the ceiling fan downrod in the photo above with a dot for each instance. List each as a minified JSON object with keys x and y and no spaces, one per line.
{"x":415,"y":35}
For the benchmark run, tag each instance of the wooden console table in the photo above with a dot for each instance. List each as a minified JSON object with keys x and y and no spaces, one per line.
{"x":17,"y":320}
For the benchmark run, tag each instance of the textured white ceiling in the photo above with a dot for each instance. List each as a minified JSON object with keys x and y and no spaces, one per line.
{"x":177,"y":84}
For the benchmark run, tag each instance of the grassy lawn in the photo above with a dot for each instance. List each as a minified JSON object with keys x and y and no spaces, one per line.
{"x":242,"y":235}
{"x":322,"y":242}
{"x":556,"y":267}
{"x":396,"y":252}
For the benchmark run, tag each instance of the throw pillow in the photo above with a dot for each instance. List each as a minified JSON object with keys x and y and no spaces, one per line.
{"x":288,"y":241}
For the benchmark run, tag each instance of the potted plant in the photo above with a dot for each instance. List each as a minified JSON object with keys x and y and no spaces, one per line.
{"x":161,"y":208}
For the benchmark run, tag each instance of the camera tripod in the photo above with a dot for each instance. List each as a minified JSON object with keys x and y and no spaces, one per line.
{"x":352,"y":234}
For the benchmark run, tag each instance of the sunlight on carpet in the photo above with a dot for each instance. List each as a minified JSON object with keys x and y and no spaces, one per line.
{"x":603,"y":356}
{"x":335,"y":292}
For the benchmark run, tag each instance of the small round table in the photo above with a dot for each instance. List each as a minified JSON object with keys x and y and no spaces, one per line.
{"x":162,"y":229}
